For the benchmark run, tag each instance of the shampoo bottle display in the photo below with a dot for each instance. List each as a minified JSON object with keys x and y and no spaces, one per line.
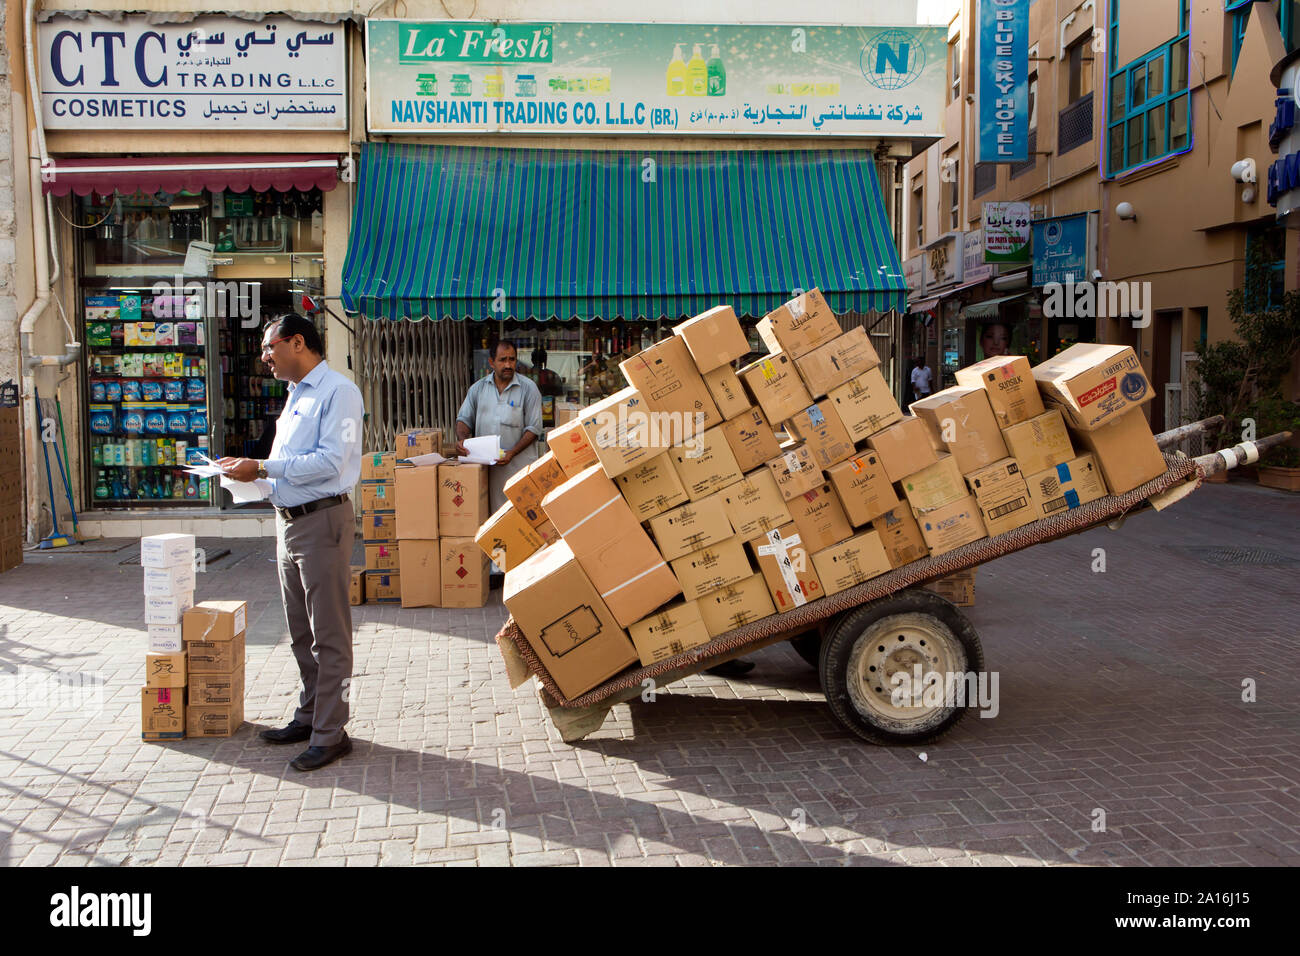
{"x":697,"y":74}
{"x":717,"y":73}
{"x":677,"y":73}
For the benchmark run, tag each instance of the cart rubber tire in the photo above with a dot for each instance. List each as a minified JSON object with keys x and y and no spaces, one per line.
{"x":920,"y":627}
{"x":809,"y":646}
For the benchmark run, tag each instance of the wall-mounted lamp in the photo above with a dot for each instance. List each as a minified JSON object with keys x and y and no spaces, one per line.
{"x":1243,"y":171}
{"x":1125,"y":210}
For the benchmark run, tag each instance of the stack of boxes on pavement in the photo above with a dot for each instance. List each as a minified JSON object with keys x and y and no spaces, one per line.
{"x":194,"y":669}
{"x":418,"y":523}
{"x":704,"y":497}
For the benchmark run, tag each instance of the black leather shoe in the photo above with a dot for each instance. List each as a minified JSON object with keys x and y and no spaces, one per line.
{"x":732,"y":669}
{"x":313,"y":758}
{"x":295,"y":733}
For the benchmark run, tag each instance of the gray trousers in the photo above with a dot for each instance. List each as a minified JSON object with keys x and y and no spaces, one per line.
{"x":314,"y":555}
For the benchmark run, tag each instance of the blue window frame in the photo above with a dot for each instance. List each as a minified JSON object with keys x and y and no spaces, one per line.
{"x":1148,"y":113}
{"x":1239,"y":20}
{"x":1288,"y":12}
{"x":1266,"y":262}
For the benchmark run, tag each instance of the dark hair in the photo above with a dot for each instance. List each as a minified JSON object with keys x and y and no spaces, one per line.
{"x":291,"y":324}
{"x":496,"y":347}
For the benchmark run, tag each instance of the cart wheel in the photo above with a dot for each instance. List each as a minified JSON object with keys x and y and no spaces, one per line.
{"x":809,"y":646}
{"x":868,"y":650}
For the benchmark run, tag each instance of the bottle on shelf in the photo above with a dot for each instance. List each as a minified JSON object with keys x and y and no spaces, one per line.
{"x":102,"y":488}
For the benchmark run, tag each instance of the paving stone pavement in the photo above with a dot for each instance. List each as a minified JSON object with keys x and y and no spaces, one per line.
{"x":1121,"y":694}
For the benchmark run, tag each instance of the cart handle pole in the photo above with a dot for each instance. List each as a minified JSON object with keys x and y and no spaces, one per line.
{"x":1246,"y":453}
{"x":1169,"y":439}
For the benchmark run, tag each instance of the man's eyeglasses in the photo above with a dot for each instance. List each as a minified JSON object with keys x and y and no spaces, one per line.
{"x":266,"y":349}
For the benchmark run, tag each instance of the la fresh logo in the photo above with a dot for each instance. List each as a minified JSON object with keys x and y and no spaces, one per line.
{"x":75,"y":909}
{"x":474,"y":43}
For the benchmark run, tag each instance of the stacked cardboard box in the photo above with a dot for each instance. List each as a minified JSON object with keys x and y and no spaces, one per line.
{"x":168,"y":563}
{"x":11,"y":489}
{"x":214,"y":651}
{"x":377,"y":508}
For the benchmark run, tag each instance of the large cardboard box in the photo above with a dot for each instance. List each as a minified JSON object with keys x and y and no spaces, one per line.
{"x":162,"y":713}
{"x":864,"y":489}
{"x":381,"y":557}
{"x":526,"y":489}
{"x":379,"y":528}
{"x":695,"y":525}
{"x":1040,"y":442}
{"x":1065,"y":486}
{"x":164,"y":670}
{"x":820,"y":428}
{"x":786,"y":567}
{"x":462,"y":500}
{"x":901,"y":536}
{"x":904,"y":448}
{"x":865,"y":404}
{"x":837,"y":361}
{"x":961,"y":422}
{"x":378,"y":466}
{"x":565,"y":621}
{"x":1126,"y":451}
{"x":623,"y":434}
{"x":420,"y":572}
{"x":215,"y":720}
{"x":550,"y":534}
{"x":357,"y":586}
{"x":775,"y":385}
{"x":161,"y":582}
{"x":615,"y":552}
{"x":569,"y":443}
{"x":933,"y":487}
{"x":216,"y":690}
{"x":751,"y":439}
{"x":820,"y":519}
{"x":1009,"y":382}
{"x":714,"y":338}
{"x":653,"y":487}
{"x":668,"y":380}
{"x":464,"y":573}
{"x":417,"y":490}
{"x":754,"y":504}
{"x":215,"y":621}
{"x":706,"y":464}
{"x":713,"y":567}
{"x":507,"y":538}
{"x":668,"y":632}
{"x":795,"y":471}
{"x":1003,"y":498}
{"x":800,"y":325}
{"x":727,"y":391}
{"x":167,"y":550}
{"x":952,"y":525}
{"x":957,"y":588}
{"x":417,"y":441}
{"x":735,"y":605}
{"x":851,"y":562}
{"x":376,"y":496}
{"x":383,"y":587}
{"x":215,"y":657}
{"x":1093,"y":384}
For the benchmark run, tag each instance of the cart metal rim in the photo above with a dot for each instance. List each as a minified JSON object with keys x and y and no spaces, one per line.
{"x":883,"y":663}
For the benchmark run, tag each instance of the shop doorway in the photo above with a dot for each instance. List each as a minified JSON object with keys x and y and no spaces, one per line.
{"x":1166,"y":369}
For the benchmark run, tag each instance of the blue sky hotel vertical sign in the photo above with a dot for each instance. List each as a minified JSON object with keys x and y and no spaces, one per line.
{"x":1002,"y":81}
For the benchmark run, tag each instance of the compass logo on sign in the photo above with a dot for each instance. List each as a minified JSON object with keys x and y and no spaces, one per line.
{"x":892,"y":59}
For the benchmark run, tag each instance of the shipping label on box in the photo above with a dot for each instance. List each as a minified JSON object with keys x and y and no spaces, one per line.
{"x":775,"y":385}
{"x":1093,"y":384}
{"x":991,"y":480}
{"x":754,"y":504}
{"x":933,"y":487}
{"x":164,"y":670}
{"x":416,"y":488}
{"x":961,"y":422}
{"x":865,"y":405}
{"x":216,"y":690}
{"x":167,"y":550}
{"x":713,"y":567}
{"x":214,"y":720}
{"x":377,"y":496}
{"x":901,"y":536}
{"x":1006,"y":511}
{"x":379,"y":528}
{"x":569,"y":443}
{"x":162,"y":713}
{"x":1125,"y":451}
{"x":751,"y":439}
{"x":695,"y":525}
{"x":417,"y":441}
{"x":420,"y":572}
{"x":1039,"y":443}
{"x":787,"y":569}
{"x":668,"y":632}
{"x":383,"y":587}
{"x":839,"y":360}
{"x":652,"y":488}
{"x":666,"y":376}
{"x":727,"y":392}
{"x":820,"y":428}
{"x":952,"y":525}
{"x":623,"y":433}
{"x":357,"y":586}
{"x":799,"y":325}
{"x":462,"y":500}
{"x":378,"y":465}
{"x":706,"y":464}
{"x":864,"y":489}
{"x":735,"y":606}
{"x":1010,"y":386}
{"x":851,"y":562}
{"x":820,"y":519}
{"x":904,"y":448}
{"x":507,"y":538}
{"x":1065,"y":486}
{"x":714,"y":338}
{"x":795,"y":471}
{"x":381,"y":557}
{"x":167,"y":609}
{"x":464,"y":574}
{"x":215,"y":657}
{"x":165,"y":638}
{"x":161,"y":582}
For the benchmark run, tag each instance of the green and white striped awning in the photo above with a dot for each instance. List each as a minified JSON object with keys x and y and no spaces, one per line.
{"x":491,"y":233}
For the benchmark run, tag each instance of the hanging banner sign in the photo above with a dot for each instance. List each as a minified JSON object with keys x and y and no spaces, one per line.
{"x":460,"y":76}
{"x":1002,"y":81}
{"x":1007,"y":232}
{"x":211,"y":73}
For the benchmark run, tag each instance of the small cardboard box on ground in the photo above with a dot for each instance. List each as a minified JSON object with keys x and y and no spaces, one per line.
{"x":957,"y":588}
{"x":507,"y":538}
{"x":653,"y":487}
{"x":754,"y":504}
{"x":164,"y":670}
{"x":712,"y":567}
{"x":1065,"y":486}
{"x":167,"y":550}
{"x":216,"y":690}
{"x":714,"y":338}
{"x":904,"y":448}
{"x":694,"y":525}
{"x":1039,"y":443}
{"x":381,"y":557}
{"x":1003,"y":498}
{"x":735,"y":605}
{"x":419,"y":566}
{"x":379,"y":528}
{"x":820,"y":428}
{"x":1009,"y":383}
{"x":820,"y":519}
{"x":357,"y":585}
{"x":166,"y":638}
{"x":668,"y":380}
{"x":901,"y":535}
{"x":1125,"y":450}
{"x":463,"y":573}
{"x":865,"y":405}
{"x":1093,"y":384}
{"x":668,"y":632}
{"x":776,"y":387}
{"x":214,"y":637}
{"x":378,"y":465}
{"x":952,"y":525}
{"x":727,"y":392}
{"x":839,"y":360}
{"x":622,"y":434}
{"x":864,"y":489}
{"x":851,"y":562}
{"x":569,"y":443}
{"x":786,"y":567}
{"x":462,"y":500}
{"x":526,"y":489}
{"x":383,"y":587}
{"x":800,"y":325}
{"x":214,"y":720}
{"x":417,"y":441}
{"x":565,"y":621}
{"x":795,"y":471}
{"x":752,"y":439}
{"x":609,"y":543}
{"x":162,"y":713}
{"x":417,"y":490}
{"x":376,"y":496}
{"x":934,"y":486}
{"x":706,"y":464}
{"x":962,"y":423}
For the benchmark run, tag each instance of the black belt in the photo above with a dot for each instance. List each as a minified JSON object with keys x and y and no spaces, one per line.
{"x":297,"y":511}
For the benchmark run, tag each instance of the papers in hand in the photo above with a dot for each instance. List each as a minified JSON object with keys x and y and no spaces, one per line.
{"x":242,"y":492}
{"x":485,"y":450}
{"x":207,"y":468}
{"x":432,"y":458}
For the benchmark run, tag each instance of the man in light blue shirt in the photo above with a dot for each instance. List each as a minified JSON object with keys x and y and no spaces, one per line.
{"x":315,"y":462}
